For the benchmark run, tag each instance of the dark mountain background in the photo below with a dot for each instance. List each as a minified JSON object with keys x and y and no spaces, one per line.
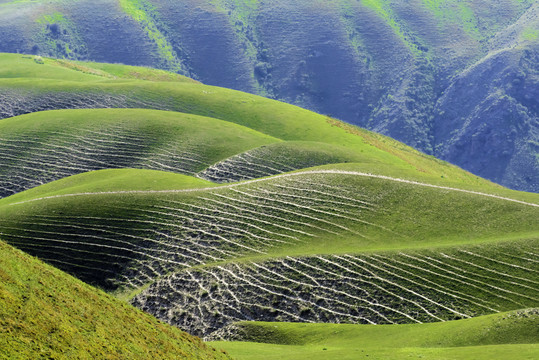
{"x":458,"y":79}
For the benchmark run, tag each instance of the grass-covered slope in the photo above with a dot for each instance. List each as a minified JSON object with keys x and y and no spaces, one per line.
{"x":43,"y":147}
{"x":50,"y":136}
{"x":328,"y":222}
{"x":328,"y":245}
{"x":510,"y":334}
{"x":23,"y":90}
{"x":25,"y":94}
{"x":17,"y":66}
{"x":46,"y":146}
{"x":378,"y":287}
{"x":46,"y":313}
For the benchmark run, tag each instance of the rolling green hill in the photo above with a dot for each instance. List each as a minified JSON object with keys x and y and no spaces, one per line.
{"x":349,"y":246}
{"x":205,"y":206}
{"x":46,"y":313}
{"x":84,"y":89}
{"x":47,"y":146}
{"x":511,"y":334}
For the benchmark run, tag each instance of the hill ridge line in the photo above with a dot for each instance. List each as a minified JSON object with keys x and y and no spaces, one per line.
{"x":343,"y":172}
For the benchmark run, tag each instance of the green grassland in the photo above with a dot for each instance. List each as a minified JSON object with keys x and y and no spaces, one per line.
{"x":113,"y":180}
{"x":212,"y":242}
{"x":46,"y":313}
{"x":379,"y":154}
{"x":120,"y":71}
{"x":263,"y":351}
{"x":205,"y":206}
{"x":510,"y":334}
{"x":390,"y":213}
{"x":282,"y":121}
{"x":42,"y":147}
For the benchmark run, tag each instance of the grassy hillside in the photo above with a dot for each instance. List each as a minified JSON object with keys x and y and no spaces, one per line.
{"x":377,"y":287}
{"x":22,"y":95}
{"x":196,"y":249}
{"x":45,"y":313}
{"x":511,"y":334}
{"x":395,"y":67}
{"x":17,"y":66}
{"x":205,"y":206}
{"x":42,"y":147}
{"x":47,"y":146}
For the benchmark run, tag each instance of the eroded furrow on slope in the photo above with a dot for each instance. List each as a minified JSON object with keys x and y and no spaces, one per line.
{"x":30,"y":160}
{"x":272,"y":160}
{"x":15,"y":101}
{"x":186,"y":243}
{"x":380,"y":288}
{"x":160,"y":234}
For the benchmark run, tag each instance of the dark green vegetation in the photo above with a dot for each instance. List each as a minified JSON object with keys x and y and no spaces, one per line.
{"x":501,"y":336}
{"x":454,"y":78}
{"x":331,"y":223}
{"x":46,"y":313}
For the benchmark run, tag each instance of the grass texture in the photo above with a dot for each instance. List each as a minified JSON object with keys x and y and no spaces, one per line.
{"x":512,"y":334}
{"x":46,"y":313}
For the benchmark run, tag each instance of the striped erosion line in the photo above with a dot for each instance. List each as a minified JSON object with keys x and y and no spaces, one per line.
{"x":310,"y":172}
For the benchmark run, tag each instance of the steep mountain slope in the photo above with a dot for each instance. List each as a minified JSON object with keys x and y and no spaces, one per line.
{"x":504,"y":88}
{"x":48,"y":314}
{"x":408,"y":69}
{"x":511,"y":334}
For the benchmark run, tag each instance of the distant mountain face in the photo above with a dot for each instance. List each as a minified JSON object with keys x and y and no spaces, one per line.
{"x":458,"y":79}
